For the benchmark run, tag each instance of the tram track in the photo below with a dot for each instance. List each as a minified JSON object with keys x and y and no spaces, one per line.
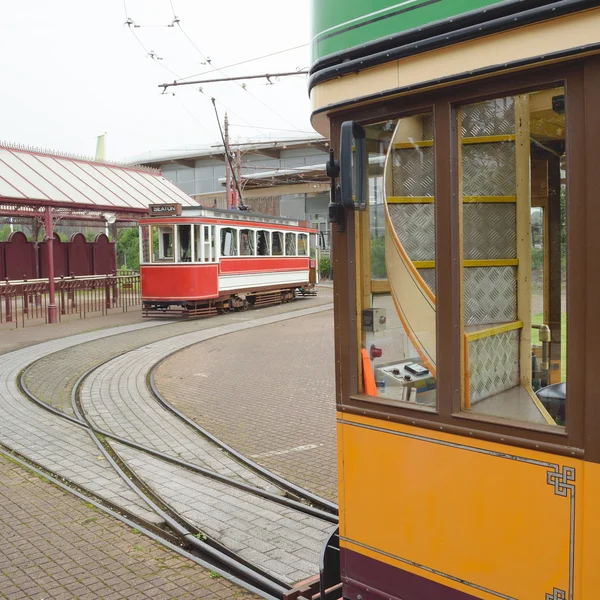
{"x":189,"y":535}
{"x":284,"y":484}
{"x":148,"y":529}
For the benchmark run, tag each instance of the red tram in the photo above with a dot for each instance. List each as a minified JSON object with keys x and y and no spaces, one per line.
{"x":198,"y":261}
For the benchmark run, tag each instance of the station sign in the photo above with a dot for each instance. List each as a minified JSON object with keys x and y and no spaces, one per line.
{"x":164,"y":210}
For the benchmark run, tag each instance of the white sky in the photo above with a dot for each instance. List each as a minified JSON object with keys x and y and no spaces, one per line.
{"x":71,"y":71}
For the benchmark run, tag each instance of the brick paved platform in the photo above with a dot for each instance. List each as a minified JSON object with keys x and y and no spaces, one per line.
{"x":278,"y":411}
{"x":55,"y":547}
{"x":48,"y":433}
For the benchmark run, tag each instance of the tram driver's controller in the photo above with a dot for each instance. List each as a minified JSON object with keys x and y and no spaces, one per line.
{"x":416,"y":369}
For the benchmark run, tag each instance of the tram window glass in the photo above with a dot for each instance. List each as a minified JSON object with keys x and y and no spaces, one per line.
{"x":290,"y":244}
{"x":163,"y":249}
{"x":185,"y":243}
{"x":379,"y":138}
{"x":277,"y":247}
{"x":228,"y":241}
{"x":401,"y":222}
{"x":513,"y":188}
{"x":145,"y":243}
{"x":247,"y":243}
{"x":263,"y":245}
{"x":302,"y":244}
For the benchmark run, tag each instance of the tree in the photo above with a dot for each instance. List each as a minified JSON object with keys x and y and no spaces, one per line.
{"x":378,"y":270}
{"x":4,"y":233}
{"x":128,"y":247}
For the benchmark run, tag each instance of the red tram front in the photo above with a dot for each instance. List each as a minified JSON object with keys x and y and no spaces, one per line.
{"x":197,"y":261}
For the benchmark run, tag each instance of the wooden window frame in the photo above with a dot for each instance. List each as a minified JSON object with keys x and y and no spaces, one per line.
{"x":581,"y":79}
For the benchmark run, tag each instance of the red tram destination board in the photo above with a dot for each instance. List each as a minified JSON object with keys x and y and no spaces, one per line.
{"x":160,"y":210}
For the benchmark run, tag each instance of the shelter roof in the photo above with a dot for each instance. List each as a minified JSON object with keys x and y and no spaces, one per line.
{"x":35,"y":177}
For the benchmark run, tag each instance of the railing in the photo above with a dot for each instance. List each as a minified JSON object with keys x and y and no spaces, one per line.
{"x":23,"y":301}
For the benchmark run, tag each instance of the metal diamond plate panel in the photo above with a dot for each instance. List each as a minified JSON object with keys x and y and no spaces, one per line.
{"x":489,"y":231}
{"x":490,"y":295}
{"x":493,"y":365}
{"x":493,"y":117}
{"x":415,"y":228}
{"x":489,"y":169}
{"x":413,"y":172}
{"x":428,"y":276}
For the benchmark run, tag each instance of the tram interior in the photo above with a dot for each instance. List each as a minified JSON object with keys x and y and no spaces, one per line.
{"x":512,"y":183}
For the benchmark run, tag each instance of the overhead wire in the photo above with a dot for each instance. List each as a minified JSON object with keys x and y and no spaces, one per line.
{"x":244,"y":62}
{"x":152,"y":55}
{"x":129,"y":22}
{"x":149,"y":53}
{"x":274,"y":128}
{"x":242,"y":86}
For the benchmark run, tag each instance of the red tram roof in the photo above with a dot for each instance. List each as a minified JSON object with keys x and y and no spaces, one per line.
{"x":220,"y":216}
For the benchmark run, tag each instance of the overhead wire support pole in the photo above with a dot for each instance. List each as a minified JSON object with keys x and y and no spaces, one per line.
{"x":242,"y":206}
{"x":227,"y":165}
{"x":266,"y":76}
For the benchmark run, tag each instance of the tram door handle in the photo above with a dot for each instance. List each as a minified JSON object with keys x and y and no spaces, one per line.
{"x":335,"y":210}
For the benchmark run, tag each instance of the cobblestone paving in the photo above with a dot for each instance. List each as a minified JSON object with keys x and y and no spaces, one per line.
{"x":54,"y":443}
{"x":283,"y":542}
{"x":13,"y":339}
{"x":115,"y":398}
{"x":53,"y":378}
{"x":55,"y":547}
{"x":285,"y":420}
{"x":48,"y":431}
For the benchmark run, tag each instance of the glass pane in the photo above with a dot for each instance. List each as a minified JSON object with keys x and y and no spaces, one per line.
{"x":247,"y":242}
{"x":400,"y":333}
{"x":290,"y":244}
{"x":185,"y":243}
{"x":228,"y":241}
{"x":277,"y":243}
{"x":514,"y":282}
{"x":162,"y":243}
{"x":302,"y":244}
{"x":263,"y":247}
{"x":379,"y":138}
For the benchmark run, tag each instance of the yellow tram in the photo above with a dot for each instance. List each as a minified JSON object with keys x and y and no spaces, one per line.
{"x":466,"y":251}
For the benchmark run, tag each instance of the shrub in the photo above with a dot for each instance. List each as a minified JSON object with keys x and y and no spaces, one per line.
{"x":324,"y":267}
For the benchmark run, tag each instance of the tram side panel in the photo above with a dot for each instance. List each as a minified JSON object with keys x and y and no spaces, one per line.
{"x":251,"y":274}
{"x":179,"y":283}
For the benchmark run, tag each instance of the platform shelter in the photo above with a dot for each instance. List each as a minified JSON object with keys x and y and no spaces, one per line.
{"x":41,"y":188}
